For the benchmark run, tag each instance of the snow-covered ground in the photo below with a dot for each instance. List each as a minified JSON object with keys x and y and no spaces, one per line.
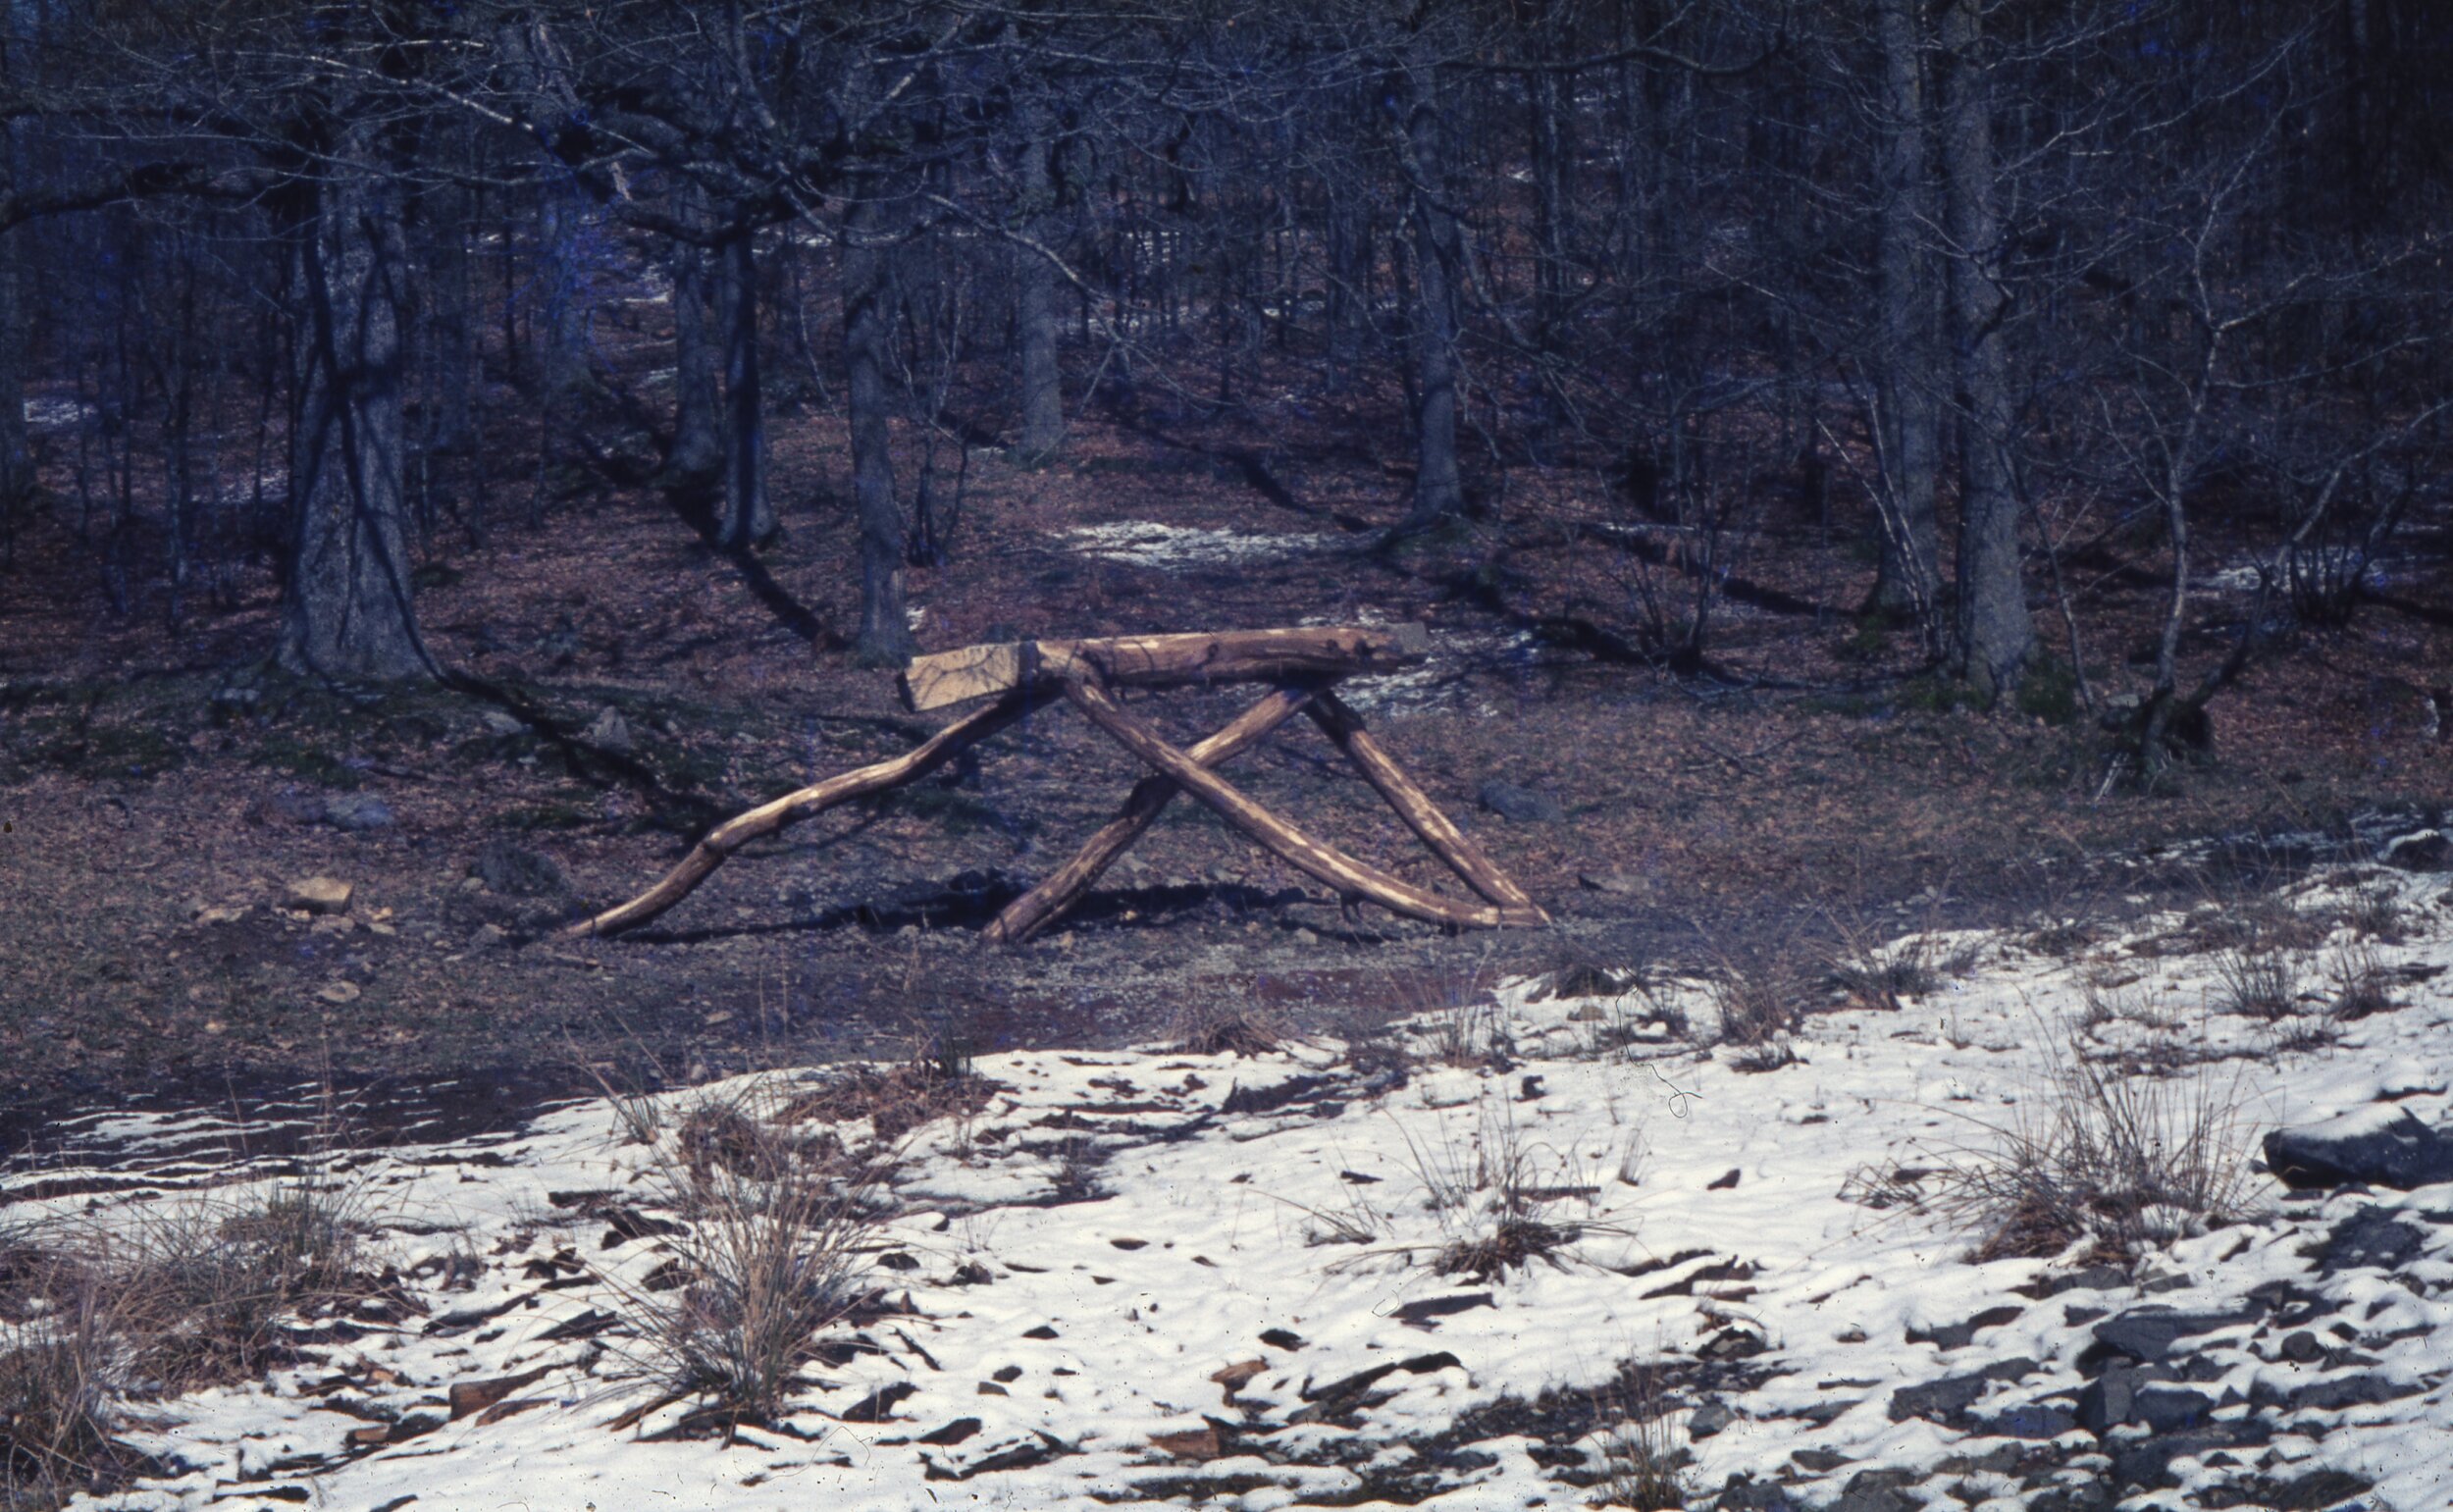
{"x":1149,"y":544}
{"x":1179,"y":1278}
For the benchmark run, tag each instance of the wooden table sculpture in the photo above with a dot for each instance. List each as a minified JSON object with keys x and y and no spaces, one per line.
{"x":1303,"y":664}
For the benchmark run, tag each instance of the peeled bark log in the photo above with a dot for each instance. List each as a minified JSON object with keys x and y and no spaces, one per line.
{"x":1326,"y":864}
{"x":1423,"y":816}
{"x":807,"y":803}
{"x":1043,"y":904}
{"x":1162,"y":661}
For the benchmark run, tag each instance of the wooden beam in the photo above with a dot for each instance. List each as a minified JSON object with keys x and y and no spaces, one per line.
{"x":1163,"y":660}
{"x":769,"y":817}
{"x":1467,"y":860}
{"x":1326,"y":863}
{"x":1043,"y":904}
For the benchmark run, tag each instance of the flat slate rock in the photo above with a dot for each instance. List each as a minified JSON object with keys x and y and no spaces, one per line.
{"x":2374,"y":1147}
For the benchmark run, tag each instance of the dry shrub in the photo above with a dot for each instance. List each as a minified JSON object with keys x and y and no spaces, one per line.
{"x":1220,"y":1028}
{"x":895,"y":1099}
{"x":770,"y":1253}
{"x":208,"y":1293}
{"x":1755,"y":1007}
{"x":2360,"y":984}
{"x":1643,"y":1468}
{"x":2125,"y":1161}
{"x":1500,"y":1196}
{"x":2378,"y":914}
{"x":60,"y":1373}
{"x":2257,"y":984}
{"x":1513,"y":1241}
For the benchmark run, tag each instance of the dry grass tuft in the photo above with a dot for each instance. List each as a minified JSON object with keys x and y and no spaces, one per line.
{"x":770,"y":1253}
{"x":1643,"y":1468}
{"x":58,"y":1376}
{"x":1755,"y":1007}
{"x":2125,"y":1160}
{"x":1218,"y":1029}
{"x":208,"y":1293}
{"x":2257,"y":984}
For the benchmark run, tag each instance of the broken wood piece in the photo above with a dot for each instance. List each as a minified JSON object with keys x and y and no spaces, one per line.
{"x":1467,"y":860}
{"x":1163,"y":660}
{"x":1326,"y":864}
{"x":1043,"y":904}
{"x":804,"y":803}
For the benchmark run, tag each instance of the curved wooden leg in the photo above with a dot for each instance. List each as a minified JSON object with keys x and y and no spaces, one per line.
{"x":1467,"y":860}
{"x":1323,"y":863}
{"x":769,"y":817}
{"x":1043,"y":904}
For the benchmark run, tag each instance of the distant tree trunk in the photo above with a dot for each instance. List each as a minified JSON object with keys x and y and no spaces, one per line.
{"x":17,"y":470}
{"x":1034,"y":302}
{"x":1996,"y":633}
{"x":1910,"y":582}
{"x":697,"y":453}
{"x":748,"y":513}
{"x":348,"y":610}
{"x":1439,"y":486}
{"x":1553,"y":173}
{"x":885,"y":634}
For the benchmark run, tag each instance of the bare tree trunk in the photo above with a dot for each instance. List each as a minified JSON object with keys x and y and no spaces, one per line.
{"x":1910,"y":582}
{"x":1996,"y":631}
{"x":1034,"y":302}
{"x":748,"y":513}
{"x":348,"y":610}
{"x":885,"y":634}
{"x":697,"y":453}
{"x":1439,"y":486}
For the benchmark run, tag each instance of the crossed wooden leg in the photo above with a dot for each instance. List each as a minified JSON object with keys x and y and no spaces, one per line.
{"x":1348,"y":876}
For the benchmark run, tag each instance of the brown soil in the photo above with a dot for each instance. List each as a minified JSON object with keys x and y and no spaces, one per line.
{"x":158,"y":791}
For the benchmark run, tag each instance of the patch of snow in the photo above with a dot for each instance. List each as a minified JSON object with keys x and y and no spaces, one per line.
{"x":1273,"y":1219}
{"x":1149,"y":544}
{"x":50,"y":412}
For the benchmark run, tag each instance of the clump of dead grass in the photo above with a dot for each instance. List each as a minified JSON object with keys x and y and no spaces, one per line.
{"x":2122,"y":1160}
{"x":1755,"y":1007}
{"x":208,"y":1292}
{"x":1643,"y":1467}
{"x":1212,"y":1028}
{"x":62,"y":1372}
{"x":2261,"y":985}
{"x":771,"y":1251}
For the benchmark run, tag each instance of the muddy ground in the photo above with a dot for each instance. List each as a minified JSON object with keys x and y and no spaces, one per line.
{"x":160,"y":792}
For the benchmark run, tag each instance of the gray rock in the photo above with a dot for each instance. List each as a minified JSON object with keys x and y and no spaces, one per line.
{"x":2027,"y":1420}
{"x":2149,"y":1333}
{"x":488,"y":936}
{"x":609,"y":731}
{"x":1943,"y":1400}
{"x":2171,"y":1409}
{"x":1957,"y":1336}
{"x":1519,"y":806}
{"x":357,"y":812}
{"x":2430,"y":850}
{"x":515,"y":871}
{"x":502,"y":723}
{"x":2109,"y":1400}
{"x":2400,"y":1151}
{"x":1708,"y":1419}
{"x":2301,"y":1347}
{"x":2371,"y":1237}
{"x":1880,"y":1490}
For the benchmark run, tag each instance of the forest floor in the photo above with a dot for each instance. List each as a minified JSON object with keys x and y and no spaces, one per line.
{"x":160,"y":792}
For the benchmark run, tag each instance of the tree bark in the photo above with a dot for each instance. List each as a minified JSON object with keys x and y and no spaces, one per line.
{"x":1439,"y":486}
{"x":1910,"y":581}
{"x":1995,"y":631}
{"x":885,"y":633}
{"x":748,"y":513}
{"x":697,"y":457}
{"x":1034,"y":302}
{"x":348,"y":610}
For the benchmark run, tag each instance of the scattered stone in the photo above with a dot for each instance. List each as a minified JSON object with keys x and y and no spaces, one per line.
{"x":1519,"y":806}
{"x":1733,"y":1344}
{"x":1708,"y":1419}
{"x":470,"y":1396}
{"x":1421,"y":1312}
{"x":516,"y":871}
{"x":1957,"y":1336}
{"x":319,"y":895}
{"x":1819,"y":1461}
{"x":1722,"y":1183}
{"x":2374,"y":1146}
{"x":1200,"y":1443}
{"x":357,"y":812}
{"x":1233,"y":1377}
{"x":2147,"y":1334}
{"x":1880,"y":1490}
{"x":1280,"y":1338}
{"x":339,"y":991}
{"x":1616,"y":884}
{"x":1941,"y":1401}
{"x":488,"y":936}
{"x":500,"y":722}
{"x":2301,"y":1347}
{"x":2374,"y":1237}
{"x":609,"y":731}
{"x":2428,"y":850}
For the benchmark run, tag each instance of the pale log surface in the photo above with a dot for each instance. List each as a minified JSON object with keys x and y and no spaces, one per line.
{"x":802,"y":804}
{"x":1326,"y":864}
{"x":1163,"y":660}
{"x":1464,"y":858}
{"x":1043,"y":904}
